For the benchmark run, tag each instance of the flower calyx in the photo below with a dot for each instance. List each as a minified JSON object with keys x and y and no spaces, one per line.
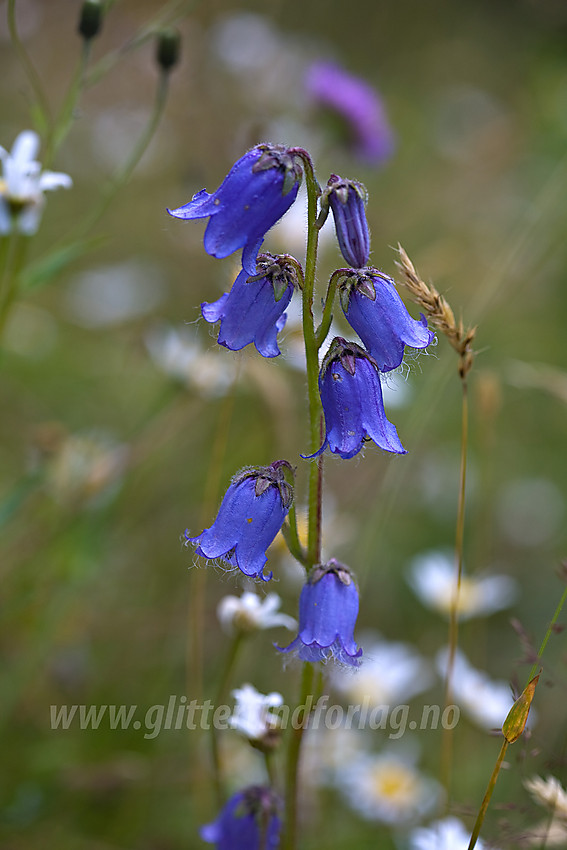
{"x":341,"y":571}
{"x":281,"y":270}
{"x":278,"y":156}
{"x":346,"y":352}
{"x":268,"y":476}
{"x":361,"y":280}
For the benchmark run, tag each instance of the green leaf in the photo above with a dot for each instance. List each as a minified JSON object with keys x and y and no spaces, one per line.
{"x":41,"y":272}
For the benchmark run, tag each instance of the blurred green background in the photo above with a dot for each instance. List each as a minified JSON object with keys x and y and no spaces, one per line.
{"x":105,"y":458}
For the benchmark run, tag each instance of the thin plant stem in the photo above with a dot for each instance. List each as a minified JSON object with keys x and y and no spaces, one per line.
{"x":9,"y":284}
{"x":33,"y":76}
{"x":64,"y":120}
{"x":532,"y":680}
{"x":171,"y":14}
{"x":548,"y":634}
{"x":315,"y":483}
{"x":220,"y":696}
{"x":271,"y":768}
{"x":292,"y":764}
{"x":447,"y":750}
{"x":123,"y":175}
{"x":488,"y":795}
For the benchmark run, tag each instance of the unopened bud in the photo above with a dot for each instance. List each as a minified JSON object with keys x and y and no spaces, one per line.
{"x":168,"y":49}
{"x":90,"y":21}
{"x":518,"y":715}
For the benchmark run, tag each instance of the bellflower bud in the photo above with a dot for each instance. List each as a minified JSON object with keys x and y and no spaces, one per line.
{"x":328,"y":608}
{"x":347,"y":200}
{"x":256,"y":193}
{"x":373,"y":309}
{"x":251,"y":514}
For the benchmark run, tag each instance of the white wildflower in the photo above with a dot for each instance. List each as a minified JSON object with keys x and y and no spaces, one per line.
{"x":549,"y":793}
{"x":388,"y":787}
{"x":433,"y":578}
{"x":446,"y":834}
{"x":250,"y":613}
{"x":251,"y":716}
{"x":23,"y":184}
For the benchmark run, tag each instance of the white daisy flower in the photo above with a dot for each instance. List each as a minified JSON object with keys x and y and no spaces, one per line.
{"x":250,"y":613}
{"x":433,"y":578}
{"x":549,"y":793}
{"x":22,"y":185}
{"x":446,"y":834}
{"x":388,"y":787}
{"x":251,"y":716}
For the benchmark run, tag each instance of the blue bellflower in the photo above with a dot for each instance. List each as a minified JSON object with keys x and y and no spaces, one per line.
{"x":328,"y":608}
{"x":253,"y":310}
{"x":351,"y":395}
{"x":250,"y":820}
{"x":347,"y":199}
{"x":256,"y":193}
{"x":251,"y":514}
{"x":373,"y":309}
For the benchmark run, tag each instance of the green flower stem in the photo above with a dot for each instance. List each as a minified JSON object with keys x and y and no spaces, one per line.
{"x":224,"y":680}
{"x":269,"y":761}
{"x":121,"y":178}
{"x":312,"y":362}
{"x":9,"y":285}
{"x":292,"y":765}
{"x":548,"y":634}
{"x":43,"y":108}
{"x":447,"y":749}
{"x":486,"y":799}
{"x":312,"y":346}
{"x":171,"y":14}
{"x":291,"y":537}
{"x":327,"y":318}
{"x":65,"y":118}
{"x":488,"y":795}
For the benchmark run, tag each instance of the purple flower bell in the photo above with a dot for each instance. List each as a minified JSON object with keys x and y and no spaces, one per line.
{"x":347,"y":199}
{"x":373,"y":309}
{"x":358,"y":104}
{"x":351,"y":395}
{"x":251,"y":514}
{"x":328,"y":608}
{"x":249,"y":821}
{"x":256,"y":193}
{"x":253,"y":310}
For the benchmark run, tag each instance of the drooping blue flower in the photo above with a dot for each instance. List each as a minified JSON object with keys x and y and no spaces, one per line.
{"x":251,"y":514}
{"x":257,"y":191}
{"x":373,"y":309}
{"x":347,"y":199}
{"x":250,"y":820}
{"x":351,"y":395}
{"x":328,"y":608}
{"x":253,"y":310}
{"x":358,"y":104}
